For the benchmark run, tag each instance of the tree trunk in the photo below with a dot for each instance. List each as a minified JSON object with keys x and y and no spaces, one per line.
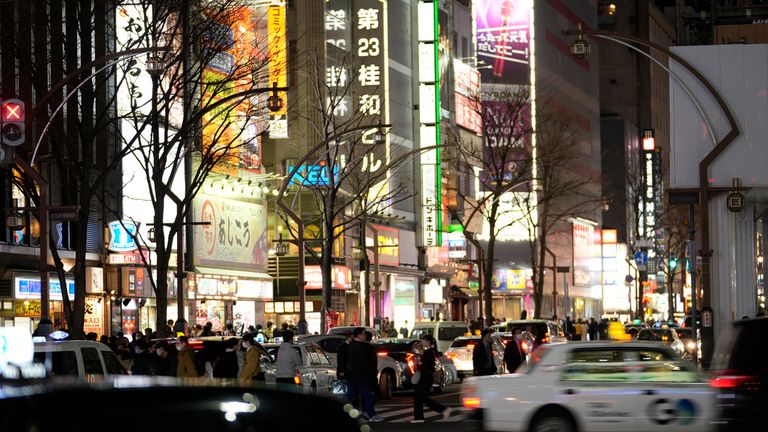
{"x":365,"y":289}
{"x":489,"y":264}
{"x":327,"y":262}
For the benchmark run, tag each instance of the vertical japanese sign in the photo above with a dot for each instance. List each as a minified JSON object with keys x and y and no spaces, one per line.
{"x":278,"y":62}
{"x":135,"y":93}
{"x":504,"y":39}
{"x":371,"y":86}
{"x":338,"y":39}
{"x":429,"y":123}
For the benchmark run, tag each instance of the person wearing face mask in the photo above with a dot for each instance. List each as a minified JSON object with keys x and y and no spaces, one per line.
{"x":166,"y":361}
{"x":513,"y":353}
{"x":186,"y":360}
{"x":251,"y":369}
{"x":143,"y":362}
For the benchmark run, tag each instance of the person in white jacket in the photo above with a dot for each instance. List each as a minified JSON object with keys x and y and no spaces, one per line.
{"x":288,"y":360}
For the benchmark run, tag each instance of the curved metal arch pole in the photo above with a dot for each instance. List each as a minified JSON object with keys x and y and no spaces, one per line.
{"x":673,"y":75}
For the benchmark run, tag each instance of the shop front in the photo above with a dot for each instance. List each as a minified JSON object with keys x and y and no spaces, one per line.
{"x":511,"y":290}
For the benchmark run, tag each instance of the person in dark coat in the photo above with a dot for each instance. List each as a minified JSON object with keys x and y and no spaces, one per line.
{"x":341,"y":358}
{"x":513,"y":353}
{"x":166,"y":359}
{"x":226,"y":365}
{"x":592,"y":329}
{"x":482,"y":355}
{"x":359,"y":371}
{"x":143,"y":363}
{"x":427,"y":363}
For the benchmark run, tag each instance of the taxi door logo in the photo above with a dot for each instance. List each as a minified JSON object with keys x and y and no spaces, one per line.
{"x":664,"y":411}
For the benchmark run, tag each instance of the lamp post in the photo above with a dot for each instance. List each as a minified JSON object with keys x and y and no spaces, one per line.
{"x":719,"y":146}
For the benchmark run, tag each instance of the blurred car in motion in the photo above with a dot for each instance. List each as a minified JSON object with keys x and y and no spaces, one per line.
{"x":77,"y":358}
{"x":543,"y":331}
{"x":165,"y":404}
{"x":461,"y":351}
{"x":347,"y":330}
{"x":594,"y":386}
{"x":390,"y":371}
{"x":686,"y":337}
{"x":443,"y":331}
{"x":667,"y":337}
{"x":315,"y":373}
{"x":406,"y":352}
{"x":741,"y":377}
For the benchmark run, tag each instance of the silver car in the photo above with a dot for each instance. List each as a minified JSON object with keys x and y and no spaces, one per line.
{"x":316,"y":372}
{"x":461,"y":350}
{"x":390,"y":371}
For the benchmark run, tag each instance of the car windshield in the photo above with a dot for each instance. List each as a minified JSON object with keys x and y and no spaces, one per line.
{"x":538,"y":330}
{"x":655,"y":335}
{"x":450,"y":333}
{"x":459,"y":343}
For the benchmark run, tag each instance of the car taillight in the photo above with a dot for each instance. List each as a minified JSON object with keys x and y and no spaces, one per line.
{"x":297,"y":379}
{"x":727,"y":381}
{"x":524,"y":346}
{"x":469,"y":397}
{"x":410,"y":362}
{"x":195,"y":344}
{"x":382,"y":353}
{"x":451,"y":355}
{"x":546,"y":338}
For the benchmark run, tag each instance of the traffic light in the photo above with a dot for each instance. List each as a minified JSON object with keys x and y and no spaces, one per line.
{"x":12,"y":122}
{"x":673,"y":263}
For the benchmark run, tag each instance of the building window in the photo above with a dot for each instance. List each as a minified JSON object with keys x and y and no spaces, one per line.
{"x":606,"y":13}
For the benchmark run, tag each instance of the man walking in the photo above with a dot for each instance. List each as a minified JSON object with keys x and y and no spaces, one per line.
{"x":288,"y":360}
{"x":513,"y":354}
{"x":482,"y":355}
{"x":360,"y":366}
{"x":252,"y":366}
{"x":186,"y":361}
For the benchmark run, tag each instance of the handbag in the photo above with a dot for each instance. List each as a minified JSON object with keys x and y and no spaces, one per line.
{"x":340,"y":387}
{"x":416,"y":377}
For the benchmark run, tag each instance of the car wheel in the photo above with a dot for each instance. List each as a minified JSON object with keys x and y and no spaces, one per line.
{"x":441,"y":385}
{"x":385,"y":386}
{"x":552,"y":421}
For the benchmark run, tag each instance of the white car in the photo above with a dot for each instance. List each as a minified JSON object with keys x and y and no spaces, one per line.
{"x":461,"y":351}
{"x":595,"y":386}
{"x":316,"y":373}
{"x":77,"y":358}
{"x":390,"y":371}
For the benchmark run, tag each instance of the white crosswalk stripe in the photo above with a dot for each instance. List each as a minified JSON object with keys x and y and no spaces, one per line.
{"x":402,"y":413}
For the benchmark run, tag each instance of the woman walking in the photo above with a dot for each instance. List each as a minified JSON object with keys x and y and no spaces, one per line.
{"x":423,"y":386}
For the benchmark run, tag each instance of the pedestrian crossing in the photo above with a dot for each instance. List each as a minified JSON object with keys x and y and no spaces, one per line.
{"x":403,"y":413}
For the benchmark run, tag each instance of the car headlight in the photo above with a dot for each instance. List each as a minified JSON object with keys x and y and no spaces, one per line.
{"x":690,"y":345}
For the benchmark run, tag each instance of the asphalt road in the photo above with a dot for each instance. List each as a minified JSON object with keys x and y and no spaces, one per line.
{"x":398,"y":412}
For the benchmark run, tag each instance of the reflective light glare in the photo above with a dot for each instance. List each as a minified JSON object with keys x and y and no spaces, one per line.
{"x":237,"y":407}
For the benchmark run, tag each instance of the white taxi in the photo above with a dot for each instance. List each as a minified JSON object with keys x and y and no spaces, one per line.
{"x":595,"y":386}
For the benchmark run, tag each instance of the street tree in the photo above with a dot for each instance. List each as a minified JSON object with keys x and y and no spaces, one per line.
{"x":202,"y":116}
{"x":359,"y":173}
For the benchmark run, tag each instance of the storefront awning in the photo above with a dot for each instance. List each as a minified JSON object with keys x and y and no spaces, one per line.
{"x":232,"y":273}
{"x":441,"y":271}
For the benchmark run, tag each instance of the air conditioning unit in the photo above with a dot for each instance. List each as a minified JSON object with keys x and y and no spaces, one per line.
{"x":14,"y":222}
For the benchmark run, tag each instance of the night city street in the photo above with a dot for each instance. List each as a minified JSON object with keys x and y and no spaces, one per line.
{"x":374,"y":215}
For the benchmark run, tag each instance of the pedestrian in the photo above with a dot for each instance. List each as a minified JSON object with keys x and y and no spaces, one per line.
{"x":258,"y":334}
{"x":166,"y":360}
{"x":358,"y":372}
{"x":179,"y":327}
{"x":169,"y":326}
{"x":143,"y":363}
{"x":268,"y":332}
{"x":341,"y":358}
{"x":279,"y":333}
{"x":252,"y":367}
{"x":592,"y":329}
{"x":186,"y":359}
{"x":230,"y":330}
{"x":149,"y":333}
{"x":482,"y":355}
{"x":208,"y":329}
{"x":288,"y":360}
{"x":226,"y":365}
{"x":426,"y":366}
{"x":513,"y":353}
{"x":524,"y":314}
{"x":404,"y":329}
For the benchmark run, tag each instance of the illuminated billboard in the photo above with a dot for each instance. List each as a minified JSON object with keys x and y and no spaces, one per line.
{"x":503,"y":29}
{"x":278,"y":62}
{"x":467,"y":93}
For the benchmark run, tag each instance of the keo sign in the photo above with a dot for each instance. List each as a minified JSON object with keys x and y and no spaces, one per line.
{"x":12,"y":122}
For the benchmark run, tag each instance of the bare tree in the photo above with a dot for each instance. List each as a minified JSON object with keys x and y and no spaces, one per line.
{"x":204,"y":111}
{"x":357,"y":168}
